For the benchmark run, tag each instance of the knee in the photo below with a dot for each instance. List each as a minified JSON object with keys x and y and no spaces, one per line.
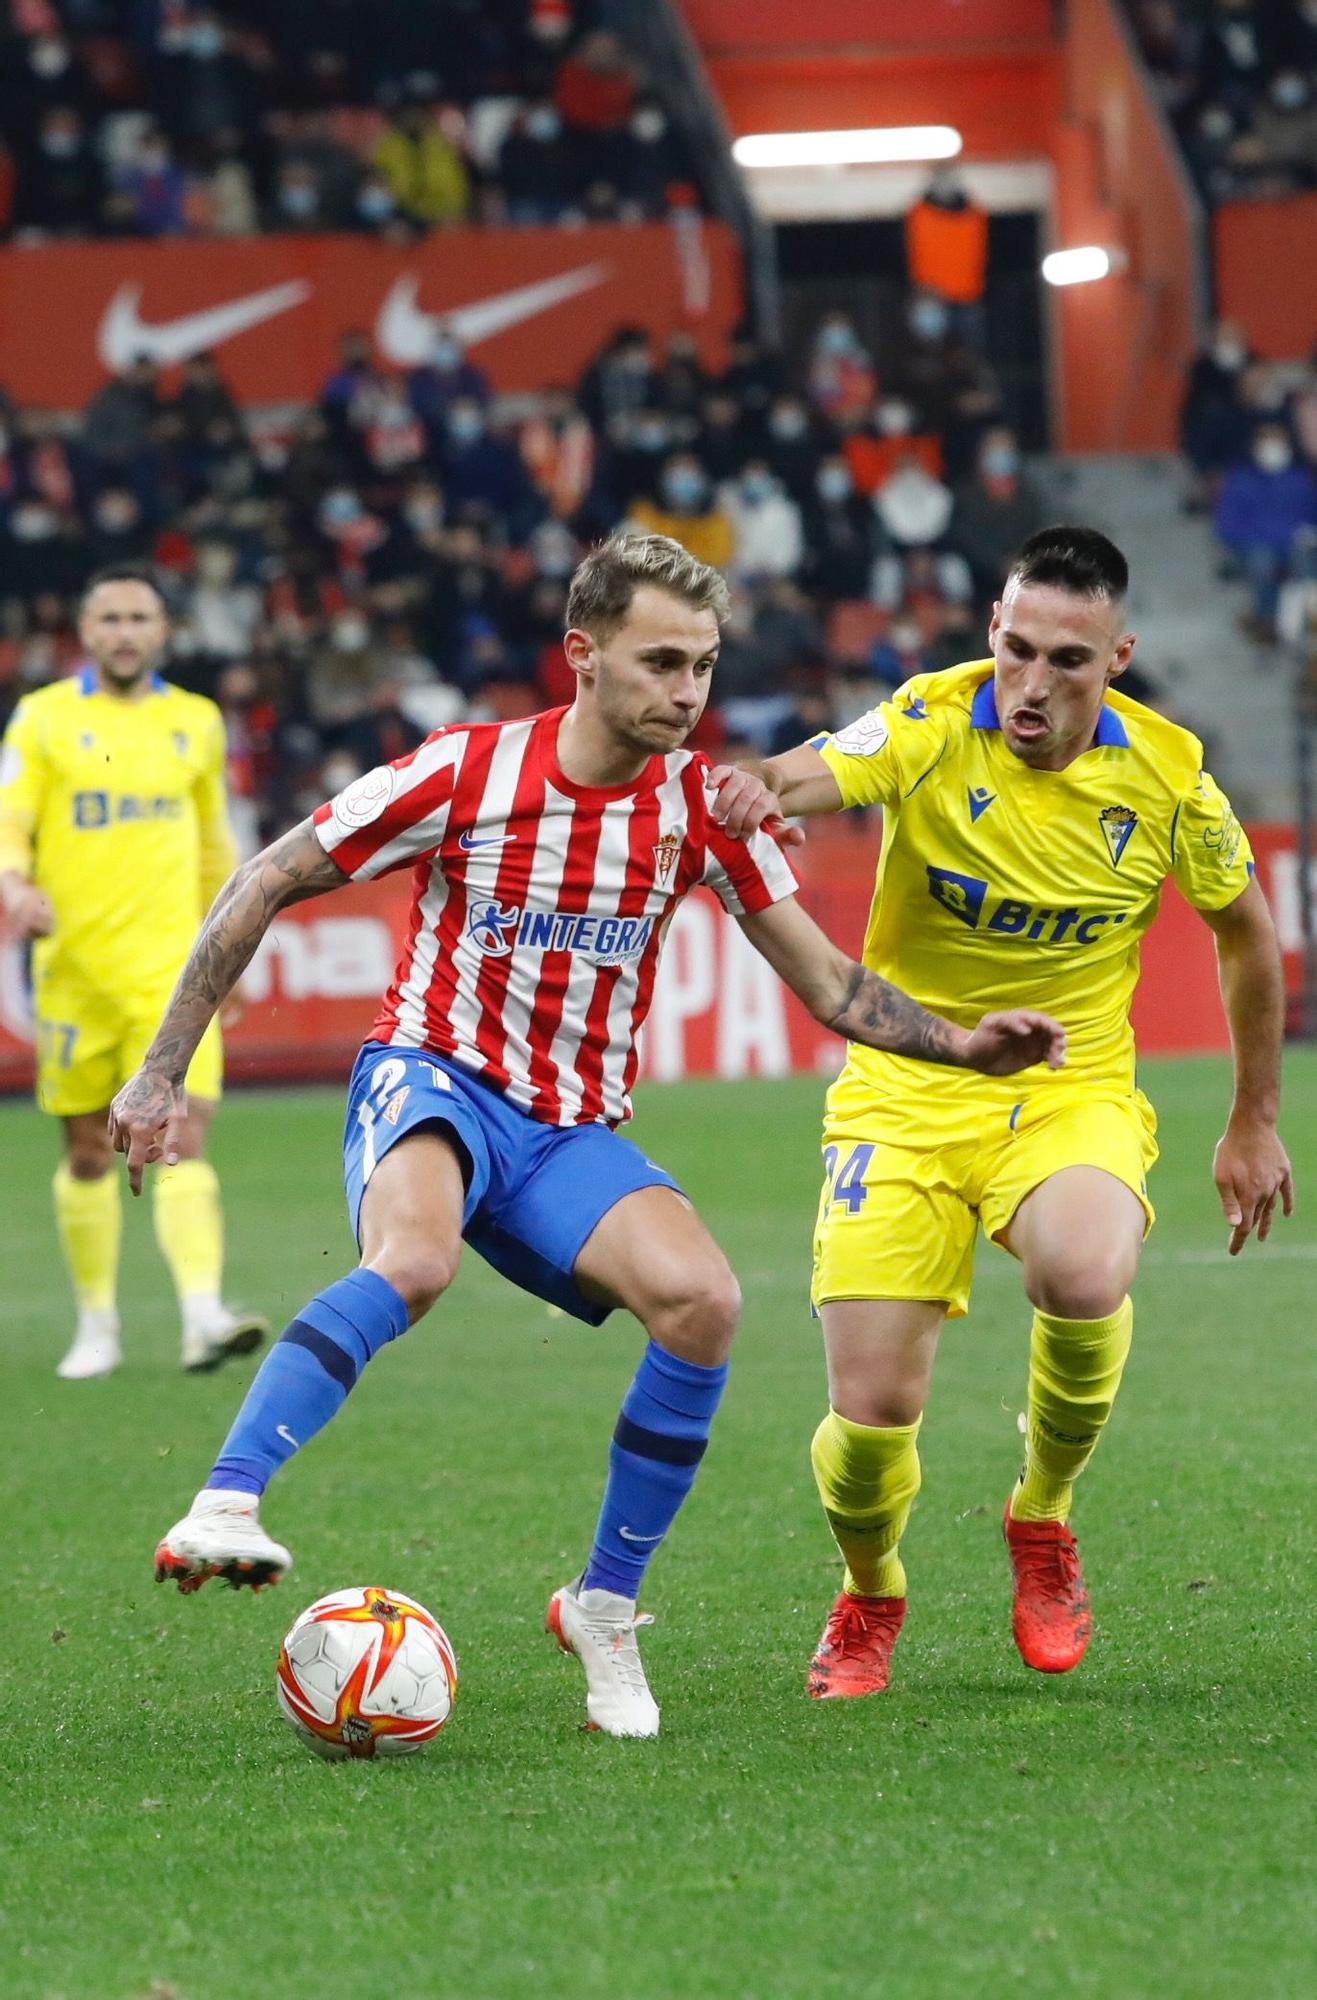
{"x":879,"y":1406}
{"x":419,"y":1273}
{"x":90,"y":1156}
{"x":697,"y":1315}
{"x":1091,"y":1286}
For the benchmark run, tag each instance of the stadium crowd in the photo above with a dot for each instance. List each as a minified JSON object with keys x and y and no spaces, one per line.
{"x":397,"y":556}
{"x":1249,"y":430}
{"x":1239,"y":81}
{"x":380,"y":116}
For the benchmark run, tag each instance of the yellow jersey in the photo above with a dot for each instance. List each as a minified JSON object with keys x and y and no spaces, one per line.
{"x":1001,"y":886}
{"x":117,"y":810}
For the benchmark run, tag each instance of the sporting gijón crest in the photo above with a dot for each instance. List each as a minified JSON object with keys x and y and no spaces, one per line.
{"x":666,"y":851}
{"x":1117,"y":823}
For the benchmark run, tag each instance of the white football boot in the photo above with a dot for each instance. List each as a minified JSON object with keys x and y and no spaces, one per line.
{"x":95,"y":1349}
{"x":600,"y":1628}
{"x":215,"y":1336}
{"x":220,"y":1536}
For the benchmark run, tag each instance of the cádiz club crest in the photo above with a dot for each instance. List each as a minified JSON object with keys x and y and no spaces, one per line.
{"x":1117,"y":823}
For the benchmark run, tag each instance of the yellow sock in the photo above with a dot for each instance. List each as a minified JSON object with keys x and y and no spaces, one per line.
{"x":1075,"y":1366}
{"x":867,"y":1481}
{"x":90,"y":1220}
{"x":189,"y":1227}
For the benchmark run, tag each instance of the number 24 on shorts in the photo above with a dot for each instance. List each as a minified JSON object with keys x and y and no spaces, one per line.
{"x":844,"y":1173}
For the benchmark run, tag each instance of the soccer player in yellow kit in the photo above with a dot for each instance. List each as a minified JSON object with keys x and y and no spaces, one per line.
{"x":114,"y":837}
{"x":1030,"y":816}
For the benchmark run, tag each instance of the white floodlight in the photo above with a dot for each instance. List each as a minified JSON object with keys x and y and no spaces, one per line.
{"x":1078,"y":267}
{"x":866,"y":146}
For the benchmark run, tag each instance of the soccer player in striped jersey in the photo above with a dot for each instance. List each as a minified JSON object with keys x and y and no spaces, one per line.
{"x":548,"y":857}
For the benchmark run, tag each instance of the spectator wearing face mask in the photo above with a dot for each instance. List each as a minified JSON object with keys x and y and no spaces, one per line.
{"x":423,"y":167}
{"x":890,"y":435}
{"x":946,"y":249}
{"x":395,"y":438}
{"x":114,"y":440}
{"x":792,"y":444}
{"x":842,"y":379}
{"x":40,"y":551}
{"x":767,"y":535}
{"x":374,"y":212}
{"x":537,"y":168}
{"x":222,"y":614}
{"x":952,"y":386}
{"x":558,"y":448}
{"x":1263,"y":505}
{"x":39,"y":74}
{"x":447,"y":377}
{"x":996,"y":509}
{"x":60,"y":184}
{"x":620,"y":379}
{"x":727,"y":434}
{"x":480,"y":468}
{"x":1214,"y":420}
{"x":595,"y":89}
{"x":687,"y":510}
{"x":841,"y":535}
{"x":645,"y":163}
{"x":297,"y":202}
{"x":152,"y":188}
{"x":1284,"y":126}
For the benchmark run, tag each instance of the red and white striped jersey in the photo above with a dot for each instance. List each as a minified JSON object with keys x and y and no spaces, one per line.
{"x":540,"y":906}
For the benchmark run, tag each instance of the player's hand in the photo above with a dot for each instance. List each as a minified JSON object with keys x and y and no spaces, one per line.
{"x":29,"y":912}
{"x":1252,"y":1172}
{"x":743,"y":803}
{"x":233,"y":1007}
{"x":146,"y":1122}
{"x":1005,"y":1043}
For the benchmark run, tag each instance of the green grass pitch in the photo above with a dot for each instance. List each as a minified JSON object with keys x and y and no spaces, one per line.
{"x":1138,"y":1828}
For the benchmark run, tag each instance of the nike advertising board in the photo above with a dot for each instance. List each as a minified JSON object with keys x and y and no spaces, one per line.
{"x":533,"y":306}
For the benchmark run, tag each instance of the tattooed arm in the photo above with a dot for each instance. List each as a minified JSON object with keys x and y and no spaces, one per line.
{"x":856,"y":1003}
{"x":145,"y":1115}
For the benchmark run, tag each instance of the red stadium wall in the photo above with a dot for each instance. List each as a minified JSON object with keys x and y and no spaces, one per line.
{"x":534,"y":305}
{"x":1256,"y":242}
{"x":1013,"y":92}
{"x":718,"y":1009}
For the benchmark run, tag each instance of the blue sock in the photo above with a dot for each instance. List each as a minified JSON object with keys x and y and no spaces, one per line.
{"x":660,"y":1439}
{"x":306,"y":1376}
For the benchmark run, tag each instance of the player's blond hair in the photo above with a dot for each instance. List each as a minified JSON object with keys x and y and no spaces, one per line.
{"x":605,"y":583}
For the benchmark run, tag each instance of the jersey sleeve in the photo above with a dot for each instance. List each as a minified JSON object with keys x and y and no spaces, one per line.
{"x":396,"y":814}
{"x":1210,"y":855}
{"x":880,"y":757}
{"x":24,"y":779}
{"x":219,"y":852}
{"x":746,"y":875}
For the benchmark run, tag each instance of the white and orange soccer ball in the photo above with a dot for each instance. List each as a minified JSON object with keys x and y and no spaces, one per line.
{"x":366,"y":1673}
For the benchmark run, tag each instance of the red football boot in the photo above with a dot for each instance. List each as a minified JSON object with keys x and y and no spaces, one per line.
{"x":854,"y":1654}
{"x":1050,"y":1616}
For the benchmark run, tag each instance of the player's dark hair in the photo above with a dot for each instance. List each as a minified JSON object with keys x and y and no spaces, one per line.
{"x":1079,"y":560}
{"x":125,"y":572}
{"x":605,"y":583}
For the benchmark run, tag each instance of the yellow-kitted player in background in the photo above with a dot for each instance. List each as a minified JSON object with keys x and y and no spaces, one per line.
{"x":114,"y":838}
{"x":1030,"y":817}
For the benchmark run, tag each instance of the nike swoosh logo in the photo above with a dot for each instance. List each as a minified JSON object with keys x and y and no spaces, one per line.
{"x":124,"y":334}
{"x":470,"y":842}
{"x":282,"y":1430}
{"x":404,"y":331}
{"x":627,"y":1536}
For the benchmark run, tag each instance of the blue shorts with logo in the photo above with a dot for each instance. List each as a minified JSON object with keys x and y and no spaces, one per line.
{"x":534,"y":1193}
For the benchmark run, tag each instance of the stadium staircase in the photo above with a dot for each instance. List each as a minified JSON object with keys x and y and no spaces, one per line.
{"x":1232,"y":693}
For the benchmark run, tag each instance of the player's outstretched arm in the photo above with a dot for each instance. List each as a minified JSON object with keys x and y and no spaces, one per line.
{"x":144,"y":1115}
{"x":858,"y":1004}
{"x":758,"y":793}
{"x":1251,"y":1168}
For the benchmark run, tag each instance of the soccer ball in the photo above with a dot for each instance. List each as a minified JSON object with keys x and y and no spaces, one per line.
{"x":366,"y":1673}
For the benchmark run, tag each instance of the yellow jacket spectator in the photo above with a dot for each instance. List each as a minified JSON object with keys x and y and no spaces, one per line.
{"x":686,"y":510}
{"x":426,"y":174}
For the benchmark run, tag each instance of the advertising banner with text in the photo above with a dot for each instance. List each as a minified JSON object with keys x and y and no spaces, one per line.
{"x":718,"y":1009}
{"x":532,"y":305}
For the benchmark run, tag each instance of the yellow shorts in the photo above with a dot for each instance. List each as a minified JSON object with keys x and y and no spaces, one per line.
{"x":898,"y":1221}
{"x":89,"y":1043}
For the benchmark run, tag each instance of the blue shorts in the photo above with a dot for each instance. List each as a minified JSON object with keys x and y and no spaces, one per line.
{"x":534,"y":1193}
